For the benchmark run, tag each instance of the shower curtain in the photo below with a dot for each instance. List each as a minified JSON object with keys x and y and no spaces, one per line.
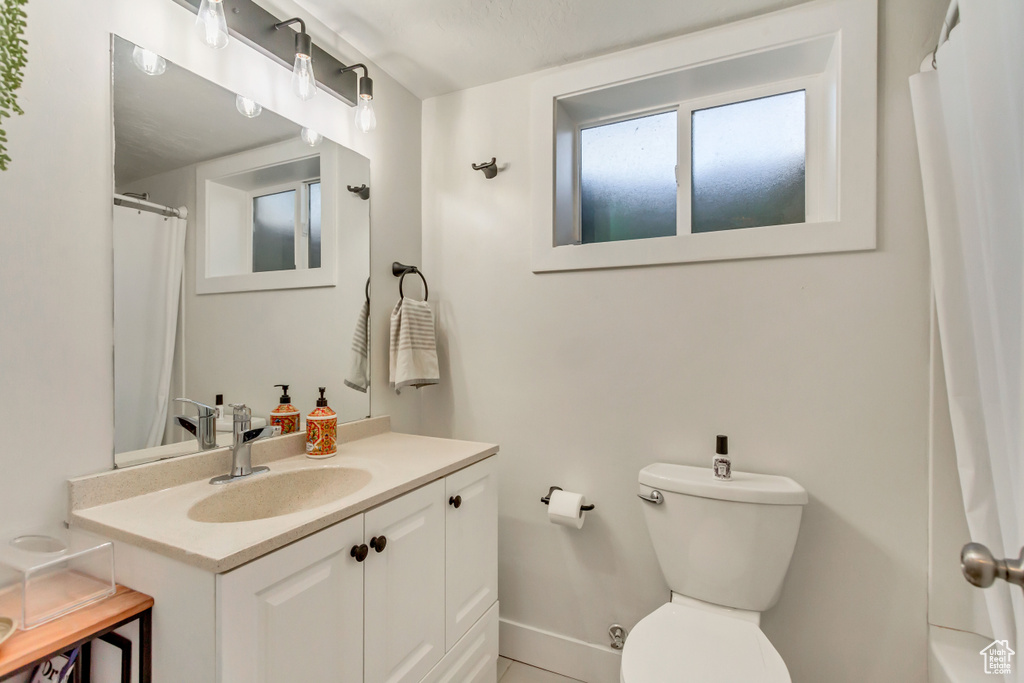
{"x":969,"y":115}
{"x":149,"y":255}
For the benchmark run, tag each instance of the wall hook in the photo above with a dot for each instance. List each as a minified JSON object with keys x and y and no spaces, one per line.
{"x":489,"y":168}
{"x":363,"y":191}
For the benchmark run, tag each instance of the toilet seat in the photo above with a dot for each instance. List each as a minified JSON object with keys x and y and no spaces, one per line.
{"x":680,"y":644}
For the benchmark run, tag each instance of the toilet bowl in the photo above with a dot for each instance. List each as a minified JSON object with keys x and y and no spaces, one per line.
{"x":724,"y":548}
{"x":682,"y":644}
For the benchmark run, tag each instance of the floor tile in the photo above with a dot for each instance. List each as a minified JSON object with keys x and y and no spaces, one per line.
{"x":521,"y":673}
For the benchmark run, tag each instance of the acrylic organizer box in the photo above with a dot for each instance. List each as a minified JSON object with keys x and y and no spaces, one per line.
{"x":45,"y":576}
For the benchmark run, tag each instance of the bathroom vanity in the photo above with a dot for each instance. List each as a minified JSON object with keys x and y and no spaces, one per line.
{"x":379,"y":564}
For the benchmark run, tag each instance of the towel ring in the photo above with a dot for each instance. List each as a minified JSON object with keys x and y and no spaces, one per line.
{"x":401,"y":294}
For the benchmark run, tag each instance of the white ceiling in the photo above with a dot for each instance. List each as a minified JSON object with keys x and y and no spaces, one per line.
{"x":437,"y":46}
{"x":176,"y":119}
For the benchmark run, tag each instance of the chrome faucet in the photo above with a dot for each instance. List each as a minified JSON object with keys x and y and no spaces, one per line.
{"x":203,"y":427}
{"x":241,"y":447}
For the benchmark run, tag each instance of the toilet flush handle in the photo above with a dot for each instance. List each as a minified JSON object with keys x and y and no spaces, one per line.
{"x":654,"y":497}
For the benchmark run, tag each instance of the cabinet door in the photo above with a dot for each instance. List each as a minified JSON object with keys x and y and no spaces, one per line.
{"x":295,"y":614}
{"x":474,"y":659}
{"x":404,"y":589}
{"x":471,"y":534}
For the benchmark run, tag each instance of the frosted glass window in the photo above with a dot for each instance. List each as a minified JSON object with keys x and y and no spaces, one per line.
{"x":314,"y":225}
{"x":273,"y":232}
{"x":749,"y":162}
{"x":628,"y":179}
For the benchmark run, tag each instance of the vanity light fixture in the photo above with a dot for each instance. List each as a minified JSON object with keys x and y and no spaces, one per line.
{"x":303,"y":80}
{"x":148,"y":62}
{"x":310,"y":137}
{"x":248,"y":108}
{"x":366,"y":119}
{"x":211,"y":25}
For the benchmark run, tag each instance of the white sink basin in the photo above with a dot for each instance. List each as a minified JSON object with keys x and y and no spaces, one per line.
{"x":275,"y":494}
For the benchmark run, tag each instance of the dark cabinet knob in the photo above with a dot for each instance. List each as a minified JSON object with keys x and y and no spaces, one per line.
{"x":378,"y":543}
{"x":455,"y":502}
{"x":360,"y":552}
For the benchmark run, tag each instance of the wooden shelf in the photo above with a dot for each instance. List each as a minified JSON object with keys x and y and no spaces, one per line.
{"x":25,"y":648}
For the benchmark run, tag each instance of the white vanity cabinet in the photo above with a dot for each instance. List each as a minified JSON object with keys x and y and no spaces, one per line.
{"x":420,"y":606}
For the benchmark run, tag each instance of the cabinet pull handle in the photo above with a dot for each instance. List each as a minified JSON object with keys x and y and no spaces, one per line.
{"x":359,"y":552}
{"x":378,"y":543}
{"x":455,"y":502}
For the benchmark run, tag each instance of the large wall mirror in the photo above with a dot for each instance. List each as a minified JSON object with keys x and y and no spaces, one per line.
{"x":241,"y":259}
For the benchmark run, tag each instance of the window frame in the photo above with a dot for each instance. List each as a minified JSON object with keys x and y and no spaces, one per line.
{"x":837,"y":41}
{"x":218,"y":173}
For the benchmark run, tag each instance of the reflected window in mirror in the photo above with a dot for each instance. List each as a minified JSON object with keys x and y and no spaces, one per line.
{"x":286,"y":227}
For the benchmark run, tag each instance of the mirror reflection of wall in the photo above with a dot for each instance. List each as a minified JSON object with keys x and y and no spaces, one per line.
{"x":240,"y":259}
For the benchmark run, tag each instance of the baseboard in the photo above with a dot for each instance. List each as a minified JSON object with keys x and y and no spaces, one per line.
{"x":561,"y":654}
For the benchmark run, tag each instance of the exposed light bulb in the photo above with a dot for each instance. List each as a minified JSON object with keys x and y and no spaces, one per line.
{"x":303,"y":81}
{"x":366,"y":119}
{"x":211,"y":25}
{"x":250,"y":109}
{"x":148,"y":62}
{"x":310,"y":137}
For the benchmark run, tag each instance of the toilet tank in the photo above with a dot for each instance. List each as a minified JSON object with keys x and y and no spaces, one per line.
{"x":723,"y":542}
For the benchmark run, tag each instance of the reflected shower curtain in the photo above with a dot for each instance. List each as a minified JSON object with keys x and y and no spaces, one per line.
{"x":969,"y":114}
{"x":149,"y":255}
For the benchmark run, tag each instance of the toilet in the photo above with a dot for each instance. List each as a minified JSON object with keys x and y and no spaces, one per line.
{"x":724,"y":548}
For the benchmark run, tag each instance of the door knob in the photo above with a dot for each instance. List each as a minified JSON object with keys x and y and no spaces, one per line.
{"x":455,"y":502}
{"x":359,"y":552}
{"x":981,"y":569}
{"x":378,"y":543}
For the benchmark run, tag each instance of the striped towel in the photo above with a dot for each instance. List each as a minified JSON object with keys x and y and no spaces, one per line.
{"x":359,"y":370}
{"x":413,"y":345}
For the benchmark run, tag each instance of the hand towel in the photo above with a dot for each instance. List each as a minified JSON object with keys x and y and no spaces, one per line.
{"x":413,"y":345}
{"x":359,"y":369}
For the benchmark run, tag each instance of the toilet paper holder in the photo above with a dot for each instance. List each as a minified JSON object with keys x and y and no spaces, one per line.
{"x":547,"y":499}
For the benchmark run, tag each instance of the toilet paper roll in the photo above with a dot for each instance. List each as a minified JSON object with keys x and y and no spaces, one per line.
{"x":564,"y":509}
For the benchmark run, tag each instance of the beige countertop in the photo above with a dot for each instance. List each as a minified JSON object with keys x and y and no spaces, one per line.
{"x":148,"y":505}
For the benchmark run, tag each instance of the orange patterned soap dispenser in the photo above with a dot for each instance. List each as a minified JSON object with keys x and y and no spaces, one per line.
{"x":285,"y":416}
{"x":321,"y":430}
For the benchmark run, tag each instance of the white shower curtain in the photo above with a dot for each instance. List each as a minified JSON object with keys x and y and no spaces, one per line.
{"x":969,"y":114}
{"x":149,"y":255}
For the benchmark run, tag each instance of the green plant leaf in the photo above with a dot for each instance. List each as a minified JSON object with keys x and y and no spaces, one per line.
{"x":13,"y":58}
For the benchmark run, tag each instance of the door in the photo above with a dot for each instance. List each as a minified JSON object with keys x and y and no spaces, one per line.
{"x":295,"y":614}
{"x":404,"y":586}
{"x":471,"y":533}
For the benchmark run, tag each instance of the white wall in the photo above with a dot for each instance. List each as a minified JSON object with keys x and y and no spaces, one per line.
{"x":55,"y":229}
{"x":815,"y":366}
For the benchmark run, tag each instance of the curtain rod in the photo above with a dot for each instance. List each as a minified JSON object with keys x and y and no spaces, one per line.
{"x":141,"y":205}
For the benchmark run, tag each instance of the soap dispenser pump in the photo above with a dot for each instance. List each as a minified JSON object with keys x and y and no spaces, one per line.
{"x":721,"y":465}
{"x":285,"y":415}
{"x":321,"y":429}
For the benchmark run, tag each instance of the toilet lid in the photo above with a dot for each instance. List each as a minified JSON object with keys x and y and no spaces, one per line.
{"x":679,"y":644}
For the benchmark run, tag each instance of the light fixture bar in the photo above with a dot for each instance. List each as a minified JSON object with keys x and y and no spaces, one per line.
{"x":255,"y":26}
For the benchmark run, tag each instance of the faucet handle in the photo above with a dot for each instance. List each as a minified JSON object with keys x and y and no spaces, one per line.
{"x":204,"y":410}
{"x":242,"y":411}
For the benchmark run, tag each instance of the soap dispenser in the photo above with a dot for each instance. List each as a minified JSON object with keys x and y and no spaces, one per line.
{"x":321,"y":429}
{"x":721,"y":465}
{"x":285,"y":415}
